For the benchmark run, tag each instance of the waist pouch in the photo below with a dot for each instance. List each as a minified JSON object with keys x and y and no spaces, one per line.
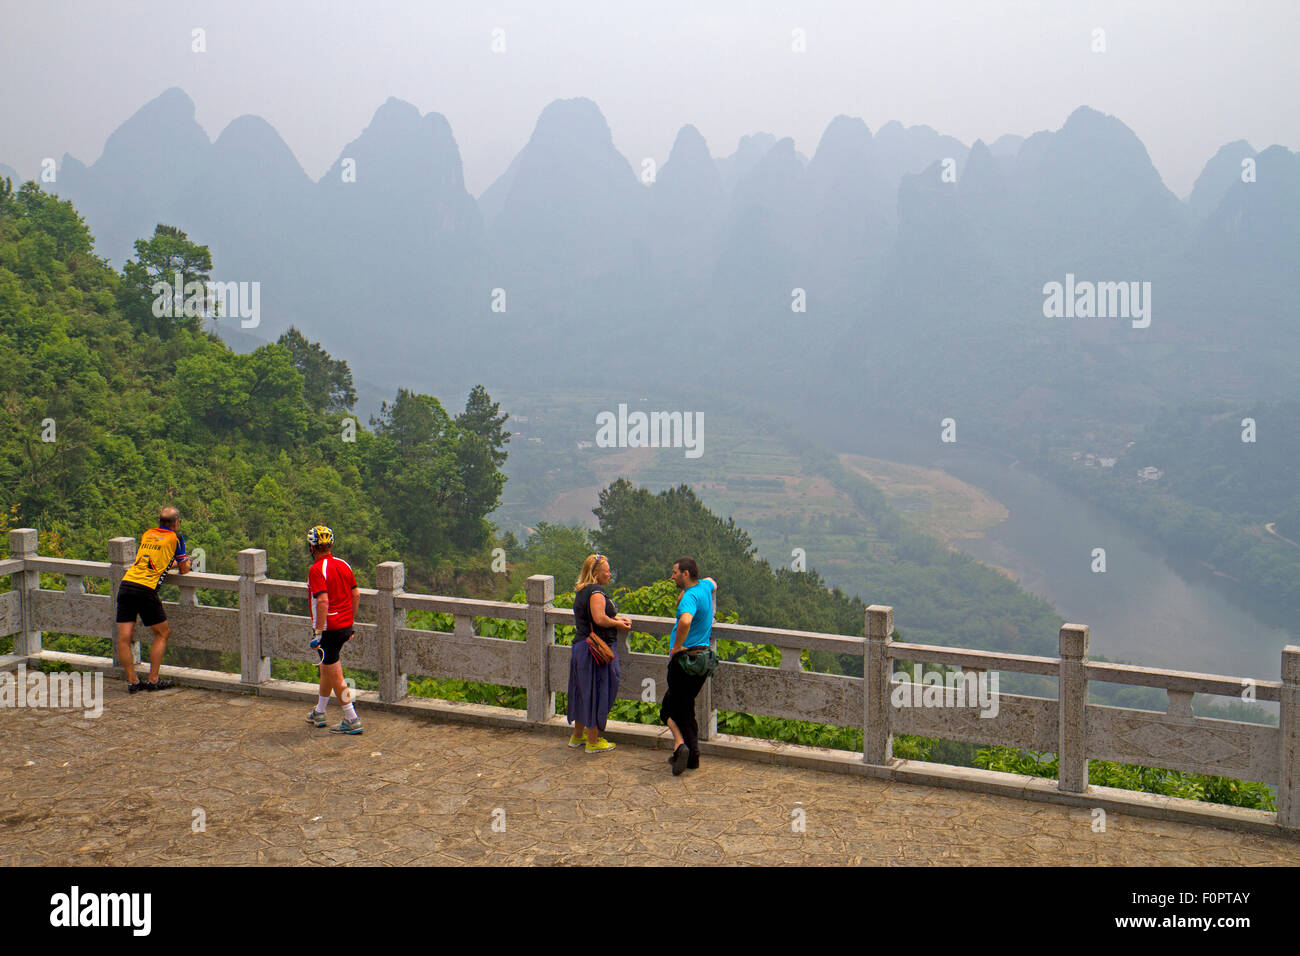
{"x":699,"y":661}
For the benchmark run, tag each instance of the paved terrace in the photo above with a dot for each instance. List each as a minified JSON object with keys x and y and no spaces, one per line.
{"x":413,"y":790}
{"x":429,"y":792}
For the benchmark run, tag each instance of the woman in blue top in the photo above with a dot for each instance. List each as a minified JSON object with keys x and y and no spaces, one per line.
{"x":593,"y":661}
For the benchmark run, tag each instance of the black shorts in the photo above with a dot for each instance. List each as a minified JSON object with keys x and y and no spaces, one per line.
{"x":331,"y":642}
{"x":135,"y":600}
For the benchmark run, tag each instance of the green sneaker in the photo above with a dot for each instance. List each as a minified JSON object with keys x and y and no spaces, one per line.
{"x":347,"y":727}
{"x":316,"y":718}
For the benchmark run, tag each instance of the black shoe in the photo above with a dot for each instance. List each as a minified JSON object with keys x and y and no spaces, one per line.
{"x":680,"y":756}
{"x":694,"y":762}
{"x":162,"y":683}
{"x":133,"y":688}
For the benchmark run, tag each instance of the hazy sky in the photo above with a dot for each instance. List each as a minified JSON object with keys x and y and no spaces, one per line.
{"x":1186,"y":76}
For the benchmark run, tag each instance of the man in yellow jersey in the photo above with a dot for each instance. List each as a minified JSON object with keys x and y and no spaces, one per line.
{"x":161,"y":548}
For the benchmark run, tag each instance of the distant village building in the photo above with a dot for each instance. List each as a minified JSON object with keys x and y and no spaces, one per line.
{"x":1107,"y":462}
{"x":1149,"y":473}
{"x":586,"y":444}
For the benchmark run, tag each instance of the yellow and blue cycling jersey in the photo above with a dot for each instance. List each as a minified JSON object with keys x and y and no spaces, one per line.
{"x":158,"y":546}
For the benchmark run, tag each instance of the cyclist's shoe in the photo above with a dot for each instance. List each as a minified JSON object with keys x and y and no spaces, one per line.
{"x":135,"y":688}
{"x":316,"y":718}
{"x":347,"y":727}
{"x":161,"y":683}
{"x":576,"y":741}
{"x":601,"y":746}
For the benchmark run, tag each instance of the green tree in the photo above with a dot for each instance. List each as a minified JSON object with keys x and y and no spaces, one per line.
{"x":150,"y":280}
{"x":327,"y":382}
{"x":56,"y":219}
{"x":480,"y":485}
{"x":258,"y":394}
{"x":484,"y":418}
{"x":414,"y":468}
{"x":557,"y":550}
{"x":644,"y":533}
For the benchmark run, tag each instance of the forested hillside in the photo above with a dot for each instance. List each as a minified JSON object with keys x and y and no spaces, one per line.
{"x":1240,"y":459}
{"x":108,"y":411}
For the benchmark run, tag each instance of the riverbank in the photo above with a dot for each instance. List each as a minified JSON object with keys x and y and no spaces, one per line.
{"x":939,"y":504}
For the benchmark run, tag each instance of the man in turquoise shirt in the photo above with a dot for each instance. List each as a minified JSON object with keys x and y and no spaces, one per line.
{"x":691,"y":635}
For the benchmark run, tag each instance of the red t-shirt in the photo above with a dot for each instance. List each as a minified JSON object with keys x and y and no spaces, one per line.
{"x":334,"y":577}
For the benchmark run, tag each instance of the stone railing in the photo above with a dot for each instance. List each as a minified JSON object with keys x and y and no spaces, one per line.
{"x":1069,"y":726}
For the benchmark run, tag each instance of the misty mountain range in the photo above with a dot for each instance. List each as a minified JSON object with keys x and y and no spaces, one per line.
{"x":922,"y":261}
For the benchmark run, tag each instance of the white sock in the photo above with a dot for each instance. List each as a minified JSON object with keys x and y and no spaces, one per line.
{"x":321,"y":704}
{"x":349,"y":712}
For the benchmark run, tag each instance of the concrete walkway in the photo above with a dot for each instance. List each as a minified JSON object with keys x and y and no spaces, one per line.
{"x":133,"y":786}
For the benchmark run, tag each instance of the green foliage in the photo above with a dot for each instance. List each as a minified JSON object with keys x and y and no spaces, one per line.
{"x":1101,"y":773}
{"x":1203,"y":460}
{"x":149,"y":411}
{"x":259,"y":395}
{"x":436,"y":480}
{"x":327,"y":382}
{"x":484,"y":418}
{"x":149,"y":281}
{"x":644,"y":533}
{"x":949,"y":597}
{"x":557,"y":550}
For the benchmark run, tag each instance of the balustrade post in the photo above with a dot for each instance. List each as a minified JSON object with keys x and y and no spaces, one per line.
{"x":877,"y":735}
{"x":390,"y":581}
{"x":540,"y":591}
{"x":706,"y":717}
{"x":1288,"y":725}
{"x":254,"y":666}
{"x":23,"y":543}
{"x":121,"y":555}
{"x":1072,"y":754}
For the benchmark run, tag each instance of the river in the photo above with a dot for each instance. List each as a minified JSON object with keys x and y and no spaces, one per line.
{"x":1144,"y":608}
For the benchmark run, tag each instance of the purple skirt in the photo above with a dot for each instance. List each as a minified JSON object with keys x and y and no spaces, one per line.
{"x":592,"y":687}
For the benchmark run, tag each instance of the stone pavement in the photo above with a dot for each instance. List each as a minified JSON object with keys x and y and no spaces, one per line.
{"x":124,"y":789}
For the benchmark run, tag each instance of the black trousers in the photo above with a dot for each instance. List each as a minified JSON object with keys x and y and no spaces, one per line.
{"x":679,"y":702}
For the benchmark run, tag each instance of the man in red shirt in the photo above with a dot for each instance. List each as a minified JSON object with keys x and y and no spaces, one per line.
{"x":334,"y":598}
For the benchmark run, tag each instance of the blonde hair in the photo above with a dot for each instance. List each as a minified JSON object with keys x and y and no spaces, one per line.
{"x":588,"y":573}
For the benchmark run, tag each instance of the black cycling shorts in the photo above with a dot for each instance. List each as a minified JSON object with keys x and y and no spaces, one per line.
{"x":136,"y":600}
{"x":331,"y":642}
